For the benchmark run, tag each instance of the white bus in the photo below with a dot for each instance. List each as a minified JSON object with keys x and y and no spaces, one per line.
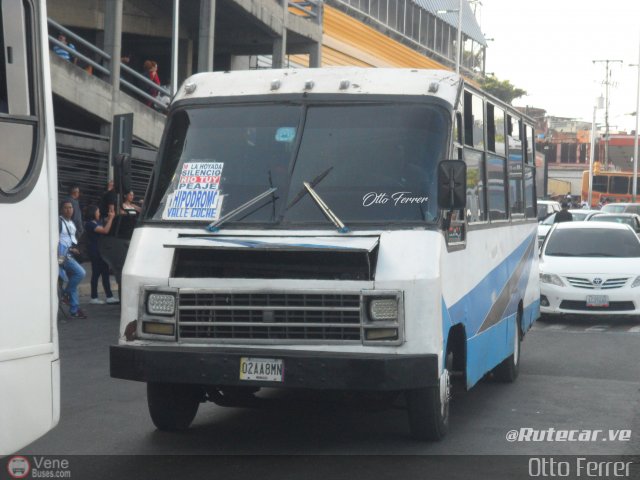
{"x":307,"y":229}
{"x":29,"y":361}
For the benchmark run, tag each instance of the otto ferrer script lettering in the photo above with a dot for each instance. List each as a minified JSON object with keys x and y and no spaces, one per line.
{"x":396,"y":198}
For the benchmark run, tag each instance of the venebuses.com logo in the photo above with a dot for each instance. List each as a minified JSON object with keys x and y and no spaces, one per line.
{"x":38,"y":467}
{"x":18,"y":467}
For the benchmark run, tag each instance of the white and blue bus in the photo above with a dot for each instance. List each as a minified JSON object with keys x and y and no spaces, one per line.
{"x":29,"y":361}
{"x":369,"y":230}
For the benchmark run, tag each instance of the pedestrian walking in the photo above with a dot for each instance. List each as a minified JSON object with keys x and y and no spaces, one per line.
{"x":71,"y":271}
{"x":95,"y":227}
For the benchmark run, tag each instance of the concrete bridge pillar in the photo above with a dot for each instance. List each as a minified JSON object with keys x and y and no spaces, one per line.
{"x":280,"y":43}
{"x":206,"y":35}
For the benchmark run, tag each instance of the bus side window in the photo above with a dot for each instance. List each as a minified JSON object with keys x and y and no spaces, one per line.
{"x":530,"y":192}
{"x":529,"y":145}
{"x":518,"y":192}
{"x":473,"y":121}
{"x":18,"y":125}
{"x":476,"y":209}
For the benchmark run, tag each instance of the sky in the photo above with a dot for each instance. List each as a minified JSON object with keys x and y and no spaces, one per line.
{"x":547,"y":48}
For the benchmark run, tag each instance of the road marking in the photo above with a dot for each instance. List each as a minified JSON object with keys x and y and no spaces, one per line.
{"x":597,"y":328}
{"x":635,"y":329}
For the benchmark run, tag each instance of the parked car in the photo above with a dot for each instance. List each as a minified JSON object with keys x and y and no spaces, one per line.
{"x":590,"y":269}
{"x":578,"y":215}
{"x":621,"y":208}
{"x":546,"y":208}
{"x":631,"y":219}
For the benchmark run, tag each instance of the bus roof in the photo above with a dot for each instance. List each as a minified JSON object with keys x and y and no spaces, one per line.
{"x":342,"y":80}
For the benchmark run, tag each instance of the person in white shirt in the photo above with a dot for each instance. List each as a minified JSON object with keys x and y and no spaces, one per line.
{"x":72,"y":269}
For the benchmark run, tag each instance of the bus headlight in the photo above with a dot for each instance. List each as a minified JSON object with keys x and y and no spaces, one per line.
{"x":636,"y":282}
{"x":382,"y":314}
{"x":383,"y":309}
{"x":161,"y":304}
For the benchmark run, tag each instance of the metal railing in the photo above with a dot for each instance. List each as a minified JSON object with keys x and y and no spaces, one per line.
{"x":311,"y":9}
{"x":106,"y":59}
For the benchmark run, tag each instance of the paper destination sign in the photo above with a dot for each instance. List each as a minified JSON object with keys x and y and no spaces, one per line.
{"x":197,"y":195}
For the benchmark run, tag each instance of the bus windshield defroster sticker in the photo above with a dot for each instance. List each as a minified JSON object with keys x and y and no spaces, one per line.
{"x":197,"y":195}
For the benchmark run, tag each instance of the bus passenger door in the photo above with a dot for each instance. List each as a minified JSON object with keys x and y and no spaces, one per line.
{"x":29,"y":376}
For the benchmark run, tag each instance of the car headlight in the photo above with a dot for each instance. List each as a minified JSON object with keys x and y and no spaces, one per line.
{"x":551,"y":278}
{"x":383,"y":309}
{"x":161,"y":304}
{"x":636,"y":282}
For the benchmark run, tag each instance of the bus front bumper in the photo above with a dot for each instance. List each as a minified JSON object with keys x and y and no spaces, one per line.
{"x":310,"y":370}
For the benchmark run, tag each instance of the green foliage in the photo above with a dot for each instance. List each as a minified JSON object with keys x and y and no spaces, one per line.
{"x":502,"y":89}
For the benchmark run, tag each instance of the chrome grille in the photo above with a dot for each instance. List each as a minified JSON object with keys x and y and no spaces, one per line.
{"x":580,"y":282}
{"x":269,"y":316}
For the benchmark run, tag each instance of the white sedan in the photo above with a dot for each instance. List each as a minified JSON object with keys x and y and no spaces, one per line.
{"x":589,"y":269}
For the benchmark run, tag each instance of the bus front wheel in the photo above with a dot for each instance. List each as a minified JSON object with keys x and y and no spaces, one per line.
{"x":173,"y":406}
{"x":428,"y":408}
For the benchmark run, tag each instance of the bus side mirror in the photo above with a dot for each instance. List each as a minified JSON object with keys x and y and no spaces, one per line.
{"x":452,"y":184}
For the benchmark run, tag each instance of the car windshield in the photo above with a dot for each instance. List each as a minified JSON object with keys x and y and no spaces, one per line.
{"x":613,"y":218}
{"x":369,"y":163}
{"x":613,"y":208}
{"x":592,"y":242}
{"x":579,"y":216}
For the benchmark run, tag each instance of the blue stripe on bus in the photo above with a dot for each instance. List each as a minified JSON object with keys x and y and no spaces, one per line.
{"x":473,"y":308}
{"x":488,"y":348}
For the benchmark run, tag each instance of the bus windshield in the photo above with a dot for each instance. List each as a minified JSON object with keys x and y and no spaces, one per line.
{"x":369,"y":163}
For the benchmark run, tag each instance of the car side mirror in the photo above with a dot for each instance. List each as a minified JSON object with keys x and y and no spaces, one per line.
{"x":452,"y":184}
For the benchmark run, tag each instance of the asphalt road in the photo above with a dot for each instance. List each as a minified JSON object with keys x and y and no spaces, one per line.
{"x":574,"y":376}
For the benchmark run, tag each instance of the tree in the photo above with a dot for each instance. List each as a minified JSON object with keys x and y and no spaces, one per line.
{"x":502,"y":89}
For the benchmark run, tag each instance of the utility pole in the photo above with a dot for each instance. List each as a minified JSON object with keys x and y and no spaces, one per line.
{"x":606,"y":107}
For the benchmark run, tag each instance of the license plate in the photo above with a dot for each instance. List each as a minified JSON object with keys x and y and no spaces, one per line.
{"x":261,"y":369}
{"x":597,"y":301}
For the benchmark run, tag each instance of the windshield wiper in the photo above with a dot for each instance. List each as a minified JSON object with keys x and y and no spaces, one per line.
{"x":303,"y":191}
{"x":215,"y":226}
{"x":325,"y":209}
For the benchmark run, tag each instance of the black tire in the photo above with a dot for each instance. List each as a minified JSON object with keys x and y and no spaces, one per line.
{"x":428,"y":408}
{"x":173,"y":406}
{"x":508,"y":370}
